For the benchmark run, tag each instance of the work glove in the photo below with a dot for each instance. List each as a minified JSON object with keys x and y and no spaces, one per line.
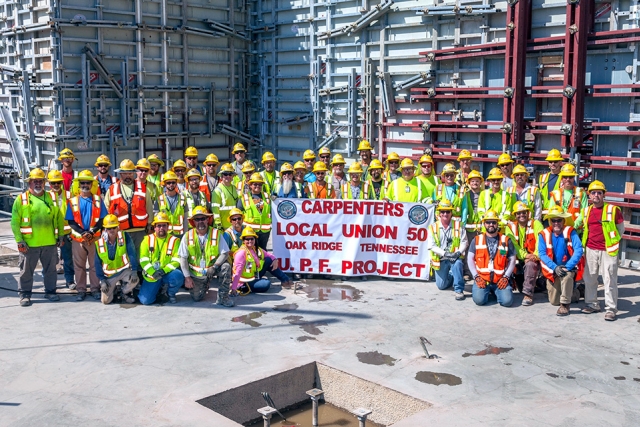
{"x":212,"y":271}
{"x":23,"y":247}
{"x":531,"y":258}
{"x":158,"y":274}
{"x":480,"y":282}
{"x":455,"y":256}
{"x":503,"y":283}
{"x":560,"y":271}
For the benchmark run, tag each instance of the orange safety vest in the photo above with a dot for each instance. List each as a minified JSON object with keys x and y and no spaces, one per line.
{"x":566,"y":233}
{"x":133,"y":215}
{"x":574,"y":205}
{"x":483,"y":259}
{"x":74,"y":204}
{"x":530,"y":239}
{"x":204,"y":187}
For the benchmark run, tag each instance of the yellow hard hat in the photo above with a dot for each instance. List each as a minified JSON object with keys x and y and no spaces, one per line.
{"x":237,"y":148}
{"x":445,"y":205}
{"x":393,"y":157}
{"x":268,"y":157}
{"x":596,"y":185}
{"x":248,"y":232}
{"x":556,"y":212}
{"x":495,"y":173}
{"x":85,"y":175}
{"x":168,"y":176}
{"x":355,"y":168}
{"x":320,"y":167}
{"x":568,"y":170}
{"x":179,"y":164}
{"x":54,"y":176}
{"x":519,"y":169}
{"x":286,"y":167}
{"x":309,"y":155}
{"x":364,"y":145}
{"x":448,"y":168}
{"x":256,"y":178}
{"x":505,"y":159}
{"x":36,"y":173}
{"x":299,"y":165}
{"x":235,"y":211}
{"x":199,"y":210}
{"x":211,"y":158}
{"x":227,"y":168}
{"x":465,"y":155}
{"x":407,"y":163}
{"x":127,"y":166}
{"x":324,"y":150}
{"x":375,"y":164}
{"x":520,"y":207}
{"x":102,"y":159}
{"x":193,"y":172}
{"x":191,"y":152}
{"x":338,"y":160}
{"x":475,"y":174}
{"x":143,"y":164}
{"x":425,"y":159}
{"x":110,"y":221}
{"x":153,"y":158}
{"x":248,"y":166}
{"x":554,"y":156}
{"x":161,"y":218}
{"x":66,"y":154}
{"x":490,"y":216}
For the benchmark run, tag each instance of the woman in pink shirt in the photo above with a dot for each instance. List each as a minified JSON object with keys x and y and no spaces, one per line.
{"x":250,"y":264}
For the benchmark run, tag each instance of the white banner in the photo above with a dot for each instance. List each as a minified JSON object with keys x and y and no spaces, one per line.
{"x":352,"y":237}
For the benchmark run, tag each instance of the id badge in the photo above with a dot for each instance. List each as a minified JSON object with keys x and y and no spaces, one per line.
{"x":203,"y":265}
{"x":407,"y":189}
{"x":156,"y":265}
{"x":576,"y":203}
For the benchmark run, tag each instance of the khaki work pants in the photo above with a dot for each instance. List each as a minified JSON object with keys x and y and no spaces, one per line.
{"x":83,"y":253}
{"x":129,"y":281}
{"x":594,"y":262}
{"x":561,"y":290}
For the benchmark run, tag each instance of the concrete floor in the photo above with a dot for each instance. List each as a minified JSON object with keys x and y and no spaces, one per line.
{"x":82,"y":363}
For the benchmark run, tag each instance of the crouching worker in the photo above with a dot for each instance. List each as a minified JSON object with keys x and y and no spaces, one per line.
{"x":116,"y":262}
{"x":251,"y":263}
{"x":203,"y":255}
{"x":160,"y":263}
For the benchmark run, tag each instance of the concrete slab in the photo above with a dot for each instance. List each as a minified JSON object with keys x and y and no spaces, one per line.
{"x":71,"y":363}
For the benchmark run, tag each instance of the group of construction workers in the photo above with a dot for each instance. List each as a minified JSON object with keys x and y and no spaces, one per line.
{"x":193,"y":224}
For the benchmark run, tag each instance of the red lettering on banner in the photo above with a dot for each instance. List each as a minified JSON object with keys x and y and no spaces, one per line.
{"x":352,"y":207}
{"x":393,"y":268}
{"x":387,"y":268}
{"x":295,"y":245}
{"x":293,"y":229}
{"x":346,"y":265}
{"x":357,"y":267}
{"x":323,"y":265}
{"x":365,"y":231}
{"x":326,"y":246}
{"x":388,"y":249}
{"x":304,"y":263}
{"x":285,"y":264}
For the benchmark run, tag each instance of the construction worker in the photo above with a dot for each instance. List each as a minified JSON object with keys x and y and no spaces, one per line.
{"x":191,"y":159}
{"x":172,"y":203}
{"x":192,"y":195}
{"x":204,"y":254}
{"x":427,"y":175}
{"x":288,"y":188}
{"x":447,"y":243}
{"x":251,"y":263}
{"x":464,"y":161}
{"x":233,"y":233}
{"x":242,"y":185}
{"x":449,"y":190}
{"x":473,"y":222}
{"x":375,"y":179}
{"x":240,"y":155}
{"x":603,"y":229}
{"x":224,"y":197}
{"x":408,"y":188}
{"x":84,"y":214}
{"x":210,"y":178}
{"x":526,"y":193}
{"x":66,"y":158}
{"x":257,"y":210}
{"x":180,"y":169}
{"x":523,"y":233}
{"x":142,"y":173}
{"x":560,"y":251}
{"x":506,"y":164}
{"x":37,"y":229}
{"x":550,"y":181}
{"x":270,"y":175}
{"x":299,"y":171}
{"x":309,"y":159}
{"x":104,"y":178}
{"x":365,"y":150}
{"x":495,"y":198}
{"x":320,"y":188}
{"x":324,"y":155}
{"x":572,"y":198}
{"x":337,"y":178}
{"x":129,"y":201}
{"x":160,"y":263}
{"x":155,"y":175}
{"x":116,"y":262}
{"x":60,"y":197}
{"x":492,"y":260}
{"x":356,"y":189}
{"x":392,"y":172}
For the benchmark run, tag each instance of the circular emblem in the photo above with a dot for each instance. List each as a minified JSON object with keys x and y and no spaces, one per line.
{"x":287,"y":209}
{"x":418,"y":215}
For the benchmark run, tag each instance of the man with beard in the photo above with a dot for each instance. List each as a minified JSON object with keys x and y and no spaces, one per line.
{"x":142,"y":173}
{"x":240,"y":155}
{"x":337,"y":178}
{"x":104,"y":179}
{"x":180,"y":169}
{"x":495,"y":198}
{"x":375,"y":179}
{"x":449,"y":190}
{"x":365,"y":149}
{"x":506,"y":163}
{"x":60,"y":198}
{"x":464,"y":161}
{"x":526,"y":193}
{"x":242,"y":185}
{"x":408,"y":188}
{"x":270,"y":175}
{"x":427,"y":175}
{"x":191,"y":159}
{"x":155,"y":163}
{"x":193,"y":196}
{"x":299,"y":171}
{"x":309,"y":159}
{"x":550,"y":181}
{"x":257,"y":210}
{"x":172,"y":203}
{"x":473,"y":223}
{"x":392,"y":172}
{"x":224,"y":197}
{"x":286,"y":189}
{"x":569,"y":196}
{"x":320,"y":188}
{"x":210,"y":179}
{"x":356,"y":189}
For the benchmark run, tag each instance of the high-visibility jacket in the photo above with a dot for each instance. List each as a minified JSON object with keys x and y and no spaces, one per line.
{"x":430,"y":182}
{"x":312,"y":190}
{"x":502,"y":206}
{"x":60,"y":201}
{"x":474,"y":218}
{"x":206,"y":188}
{"x":525,"y":239}
{"x":373,"y":191}
{"x":547,"y":271}
{"x":543,"y":183}
{"x":258,"y":221}
{"x":36,"y":233}
{"x":609,"y":229}
{"x":235,"y":243}
{"x":155,"y":179}
{"x":164,"y":252}
{"x":402,"y":190}
{"x":74,"y":205}
{"x":190,"y":202}
{"x":176,"y":218}
{"x":242,"y":187}
{"x":457,"y":199}
{"x":223,"y":200}
{"x":483,"y":260}
{"x":198,"y":261}
{"x":434,"y":230}
{"x":575,"y":205}
{"x":120,"y":262}
{"x":153,"y":190}
{"x":271,"y":181}
{"x":366,"y":192}
{"x":130,"y":215}
{"x":252,"y":266}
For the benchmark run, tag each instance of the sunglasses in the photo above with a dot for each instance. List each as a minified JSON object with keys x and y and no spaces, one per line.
{"x":556,"y":221}
{"x":320,"y":173}
{"x":191,"y":158}
{"x":249,"y":239}
{"x":393,"y":162}
{"x":325,"y":157}
{"x":200,"y":219}
{"x":236,"y":219}
{"x":143,"y":170}
{"x":179,"y":170}
{"x":596,"y":193}
{"x":170,"y":183}
{"x":490,"y":223}
{"x":449,"y":175}
{"x":522,"y":213}
{"x":59,"y":183}
{"x":286,"y":173}
{"x":554,"y":162}
{"x":103,"y":166}
{"x":227,"y":174}
{"x":210,"y":165}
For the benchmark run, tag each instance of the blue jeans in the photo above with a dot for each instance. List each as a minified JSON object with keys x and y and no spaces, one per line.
{"x":67,"y":261}
{"x":481,"y":296}
{"x":149,"y":290}
{"x":263,"y":284}
{"x":450,"y":274}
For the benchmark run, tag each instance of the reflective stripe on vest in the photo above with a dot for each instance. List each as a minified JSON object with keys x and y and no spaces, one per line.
{"x":111,"y":267}
{"x":251,"y":268}
{"x":434,"y":229}
{"x":77,"y":216}
{"x":193,"y":245}
{"x":251,"y":210}
{"x":483,"y":259}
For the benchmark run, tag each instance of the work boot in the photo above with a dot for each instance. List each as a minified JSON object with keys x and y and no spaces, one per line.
{"x":96,"y":295}
{"x":527,"y":300}
{"x":59,"y":269}
{"x":71,"y":285}
{"x":25,"y":302}
{"x":52,"y":297}
{"x":81,"y":296}
{"x":199,"y":290}
{"x":224,"y":300}
{"x":590,"y":309}
{"x":460,"y":296}
{"x":610,"y":316}
{"x":173,"y":299}
{"x":127,"y":299}
{"x":563,"y":310}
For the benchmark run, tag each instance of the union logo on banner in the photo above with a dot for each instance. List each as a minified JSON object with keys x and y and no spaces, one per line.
{"x":287,"y":210}
{"x":418,"y":215}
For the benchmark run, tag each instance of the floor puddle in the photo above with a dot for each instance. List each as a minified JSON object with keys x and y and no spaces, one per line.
{"x":552,"y":375}
{"x":376,"y":358}
{"x":286,"y":307}
{"x":489,"y":350}
{"x":328,"y":416}
{"x":306,"y":338}
{"x":9,"y":260}
{"x":325,"y":290}
{"x":308,"y":327}
{"x":438,"y":378}
{"x":247,"y":319}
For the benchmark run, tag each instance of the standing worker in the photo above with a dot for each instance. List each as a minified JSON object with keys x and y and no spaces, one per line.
{"x":505,"y":164}
{"x":550,"y":181}
{"x":104,"y":178}
{"x":172,"y":203}
{"x":495,"y":198}
{"x":37,"y":227}
{"x":337,"y":178}
{"x":142,"y":174}
{"x":455,"y":193}
{"x":365,"y":150}
{"x":155,"y":174}
{"x":320,"y":188}
{"x":356,"y":189}
{"x":66,"y":158}
{"x":288,"y":188}
{"x":192,"y":195}
{"x":464,"y":161}
{"x":191,"y":159}
{"x":375,"y":179}
{"x":240,"y":155}
{"x":224,"y":197}
{"x":324,"y":155}
{"x":569,"y":196}
{"x":392,"y":172}
{"x":242,"y":184}
{"x":180,"y":169}
{"x":309,"y":159}
{"x":427,"y":174}
{"x":60,"y":198}
{"x":270,"y":175}
{"x":257,"y":210}
{"x":407,"y":188}
{"x":210,"y":179}
{"x":526,"y":193}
